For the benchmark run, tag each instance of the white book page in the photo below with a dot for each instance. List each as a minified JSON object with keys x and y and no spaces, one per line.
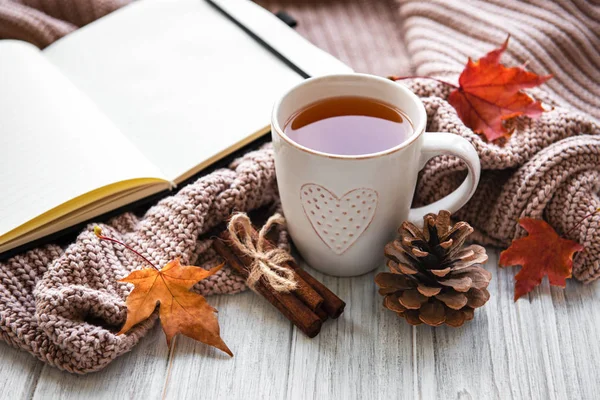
{"x":185,"y":84}
{"x":54,"y":144}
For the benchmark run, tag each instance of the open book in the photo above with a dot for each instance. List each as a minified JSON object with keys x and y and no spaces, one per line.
{"x":135,"y":103}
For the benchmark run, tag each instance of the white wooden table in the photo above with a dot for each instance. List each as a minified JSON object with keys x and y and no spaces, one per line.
{"x":543,"y":347}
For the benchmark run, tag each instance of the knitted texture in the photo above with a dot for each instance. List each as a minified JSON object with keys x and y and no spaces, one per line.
{"x":549,"y":168}
{"x":559,"y":37}
{"x":41,"y":22}
{"x":65,"y":307}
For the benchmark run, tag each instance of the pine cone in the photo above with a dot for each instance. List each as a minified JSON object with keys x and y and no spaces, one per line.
{"x":434,"y":280}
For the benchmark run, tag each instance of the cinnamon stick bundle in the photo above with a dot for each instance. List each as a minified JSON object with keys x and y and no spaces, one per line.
{"x":287,"y":303}
{"x":307,"y":307}
{"x":332,"y":304}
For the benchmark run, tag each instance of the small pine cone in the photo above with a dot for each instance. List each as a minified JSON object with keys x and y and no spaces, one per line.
{"x":433,"y":279}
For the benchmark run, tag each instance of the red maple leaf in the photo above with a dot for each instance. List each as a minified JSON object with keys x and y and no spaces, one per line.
{"x":490,"y":93}
{"x":542,"y":252}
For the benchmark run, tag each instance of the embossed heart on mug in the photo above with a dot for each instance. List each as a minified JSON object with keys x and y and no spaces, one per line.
{"x":339,"y":221}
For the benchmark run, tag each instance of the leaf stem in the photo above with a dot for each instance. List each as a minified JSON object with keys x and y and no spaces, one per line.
{"x":583,"y":219}
{"x":98,"y":233}
{"x":400,"y":78}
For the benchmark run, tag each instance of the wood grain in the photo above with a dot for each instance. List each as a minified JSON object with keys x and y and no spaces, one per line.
{"x":519,"y":350}
{"x":365,"y":353}
{"x":545,"y":346}
{"x":468,"y":362}
{"x":139,"y":374}
{"x":260,"y":338}
{"x":19,"y":372}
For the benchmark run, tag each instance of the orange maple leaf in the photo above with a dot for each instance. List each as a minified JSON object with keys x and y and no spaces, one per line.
{"x":490,"y":93}
{"x":181,"y":311}
{"x":542,"y":252}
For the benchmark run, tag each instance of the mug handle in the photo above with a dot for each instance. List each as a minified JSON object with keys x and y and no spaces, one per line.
{"x":439,"y":143}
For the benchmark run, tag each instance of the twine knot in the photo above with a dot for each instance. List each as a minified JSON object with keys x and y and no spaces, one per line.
{"x":267,"y":264}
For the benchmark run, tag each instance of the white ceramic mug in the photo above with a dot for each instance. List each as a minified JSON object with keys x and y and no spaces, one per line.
{"x":341,"y":210}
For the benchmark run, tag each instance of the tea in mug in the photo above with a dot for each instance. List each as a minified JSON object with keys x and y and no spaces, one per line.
{"x":349,"y":125}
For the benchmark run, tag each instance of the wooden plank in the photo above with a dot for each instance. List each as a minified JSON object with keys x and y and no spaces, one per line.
{"x":486,"y":357}
{"x":260,"y":338}
{"x":542,"y":347}
{"x":501,"y":318}
{"x":578,"y":328}
{"x":536,"y":348}
{"x":366,"y":353}
{"x":19,"y":372}
{"x":139,"y":374}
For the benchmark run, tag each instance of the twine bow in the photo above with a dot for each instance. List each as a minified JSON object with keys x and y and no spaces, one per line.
{"x":267,"y":264}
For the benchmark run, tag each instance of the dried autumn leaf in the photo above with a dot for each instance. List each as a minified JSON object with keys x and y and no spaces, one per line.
{"x":542,"y":252}
{"x":181,"y":311}
{"x":490,"y":93}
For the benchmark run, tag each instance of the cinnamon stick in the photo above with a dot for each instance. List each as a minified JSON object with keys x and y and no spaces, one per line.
{"x":287,"y":303}
{"x":305,"y":291}
{"x":321,"y":314}
{"x":332,"y":304}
